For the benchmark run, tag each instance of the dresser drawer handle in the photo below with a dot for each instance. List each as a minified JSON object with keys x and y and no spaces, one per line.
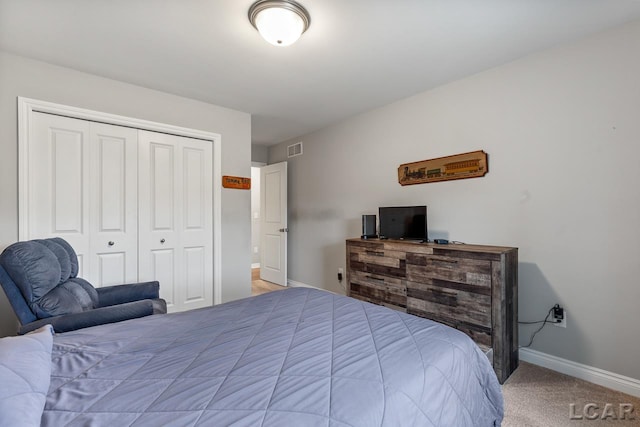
{"x":375,"y":279}
{"x":374,"y":253}
{"x":446,"y":261}
{"x":449,"y":292}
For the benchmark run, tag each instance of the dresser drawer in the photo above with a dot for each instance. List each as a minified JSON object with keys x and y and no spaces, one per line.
{"x":377,"y":260}
{"x":378,"y":289}
{"x":421,"y":267}
{"x":389,"y":285}
{"x":445,"y":300}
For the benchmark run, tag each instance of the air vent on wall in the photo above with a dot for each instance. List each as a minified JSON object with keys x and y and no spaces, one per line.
{"x":294,"y":150}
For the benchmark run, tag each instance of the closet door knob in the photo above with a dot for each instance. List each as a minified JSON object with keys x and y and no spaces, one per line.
{"x":162,"y":240}
{"x":111,"y":243}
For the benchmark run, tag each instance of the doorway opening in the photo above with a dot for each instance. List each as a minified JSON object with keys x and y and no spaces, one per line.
{"x":268,"y":258}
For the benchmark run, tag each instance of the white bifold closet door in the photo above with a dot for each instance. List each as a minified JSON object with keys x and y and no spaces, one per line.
{"x":176,"y":218}
{"x":83,"y":188}
{"x":135,"y":205}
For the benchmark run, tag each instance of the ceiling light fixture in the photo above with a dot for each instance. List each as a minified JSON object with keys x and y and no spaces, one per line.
{"x":280,"y":22}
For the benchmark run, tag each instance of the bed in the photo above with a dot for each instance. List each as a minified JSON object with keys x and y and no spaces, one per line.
{"x":297,"y":357}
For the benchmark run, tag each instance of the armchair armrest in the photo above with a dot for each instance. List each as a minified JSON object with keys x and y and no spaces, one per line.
{"x":120,"y":294}
{"x":97,"y":316}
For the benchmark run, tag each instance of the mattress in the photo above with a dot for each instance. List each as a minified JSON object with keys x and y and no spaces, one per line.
{"x":297,"y":357}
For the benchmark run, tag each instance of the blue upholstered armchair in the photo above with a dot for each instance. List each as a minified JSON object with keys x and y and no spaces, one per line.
{"x":41,"y":283}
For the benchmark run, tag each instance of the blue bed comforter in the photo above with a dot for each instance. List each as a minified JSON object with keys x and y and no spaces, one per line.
{"x":298,"y":357}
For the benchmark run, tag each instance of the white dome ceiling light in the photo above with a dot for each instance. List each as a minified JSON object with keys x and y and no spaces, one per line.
{"x":280,"y":22}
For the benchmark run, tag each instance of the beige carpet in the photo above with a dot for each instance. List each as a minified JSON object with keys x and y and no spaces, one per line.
{"x":535,"y":396}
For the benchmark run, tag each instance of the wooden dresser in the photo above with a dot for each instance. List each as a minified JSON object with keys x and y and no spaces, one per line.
{"x":469,"y":287}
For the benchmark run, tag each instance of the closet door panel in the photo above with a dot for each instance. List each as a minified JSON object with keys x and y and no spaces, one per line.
{"x":159,"y":242}
{"x":66,"y":181}
{"x":112,"y":183}
{"x":114,"y":205}
{"x":194,"y":188}
{"x":175,"y":223}
{"x":164,"y":271}
{"x":58,"y":187}
{"x":112,"y":268}
{"x":197,"y":227}
{"x":194,"y":274}
{"x":162,"y":175}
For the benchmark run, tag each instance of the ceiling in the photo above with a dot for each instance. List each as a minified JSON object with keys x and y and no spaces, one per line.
{"x":356,"y":55}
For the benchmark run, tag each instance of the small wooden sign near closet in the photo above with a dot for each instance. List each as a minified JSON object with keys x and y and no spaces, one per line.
{"x":236,"y":182}
{"x":459,"y":166}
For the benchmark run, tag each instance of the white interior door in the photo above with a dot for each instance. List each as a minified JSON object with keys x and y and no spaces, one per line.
{"x":175,"y":218}
{"x":273,"y":228}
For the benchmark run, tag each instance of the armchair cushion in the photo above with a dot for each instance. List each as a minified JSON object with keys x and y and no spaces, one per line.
{"x":66,"y":256}
{"x":33,"y":267}
{"x":73,"y":296}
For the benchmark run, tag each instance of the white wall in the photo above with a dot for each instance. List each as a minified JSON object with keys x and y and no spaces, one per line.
{"x":33,"y":79}
{"x":259,"y":153}
{"x":562,"y":131}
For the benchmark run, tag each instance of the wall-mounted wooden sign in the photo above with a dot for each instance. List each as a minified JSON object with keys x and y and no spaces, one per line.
{"x":459,"y":166}
{"x":236,"y":182}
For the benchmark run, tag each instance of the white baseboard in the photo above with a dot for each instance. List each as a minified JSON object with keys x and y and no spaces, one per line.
{"x":255,"y":265}
{"x":294,"y":284}
{"x":584,"y":372}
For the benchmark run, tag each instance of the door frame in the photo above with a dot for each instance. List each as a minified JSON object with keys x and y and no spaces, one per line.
{"x":257,"y":165}
{"x":28,"y":106}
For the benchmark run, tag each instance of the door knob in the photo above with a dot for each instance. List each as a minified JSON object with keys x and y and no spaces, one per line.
{"x":162,"y":240}
{"x":284,"y":230}
{"x":111,"y":243}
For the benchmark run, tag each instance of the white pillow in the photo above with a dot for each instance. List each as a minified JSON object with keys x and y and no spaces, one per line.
{"x":25,"y":373}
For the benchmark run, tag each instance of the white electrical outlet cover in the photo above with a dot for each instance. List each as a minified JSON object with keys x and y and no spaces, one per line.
{"x":562,"y":324}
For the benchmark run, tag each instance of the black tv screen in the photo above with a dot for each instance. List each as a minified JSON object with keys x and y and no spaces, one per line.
{"x":403,"y":222}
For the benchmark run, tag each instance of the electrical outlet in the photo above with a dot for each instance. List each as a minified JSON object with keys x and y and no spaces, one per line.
{"x":559,"y":316}
{"x":340,"y":274}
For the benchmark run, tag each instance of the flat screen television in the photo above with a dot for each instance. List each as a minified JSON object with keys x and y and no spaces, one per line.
{"x":403,"y":222}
